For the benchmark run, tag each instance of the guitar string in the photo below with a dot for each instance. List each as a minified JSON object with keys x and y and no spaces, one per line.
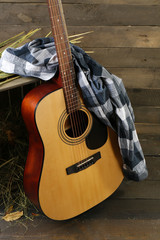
{"x":66,"y":77}
{"x":75,"y":93}
{"x":76,"y":113}
{"x":55,"y":30}
{"x":75,"y":153}
{"x":79,"y":117}
{"x":75,"y":116}
{"x":72,"y":118}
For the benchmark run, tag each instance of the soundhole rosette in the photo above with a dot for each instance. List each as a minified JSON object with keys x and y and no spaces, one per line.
{"x":73,"y":128}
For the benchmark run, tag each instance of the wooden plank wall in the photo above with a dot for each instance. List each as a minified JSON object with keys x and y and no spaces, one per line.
{"x":126,"y":40}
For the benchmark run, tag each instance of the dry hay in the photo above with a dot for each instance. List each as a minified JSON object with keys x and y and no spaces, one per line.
{"x":14,"y":144}
{"x":13,"y":152}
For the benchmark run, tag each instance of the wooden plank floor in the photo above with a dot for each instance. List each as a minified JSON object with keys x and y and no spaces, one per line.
{"x":125,"y":39}
{"x":111,"y":220}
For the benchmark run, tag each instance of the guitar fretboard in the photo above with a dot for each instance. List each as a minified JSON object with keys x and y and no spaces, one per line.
{"x":66,"y":65}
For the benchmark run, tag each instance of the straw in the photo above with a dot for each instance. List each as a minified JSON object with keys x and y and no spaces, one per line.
{"x":14,"y":143}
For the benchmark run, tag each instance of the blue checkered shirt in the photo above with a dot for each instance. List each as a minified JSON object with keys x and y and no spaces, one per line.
{"x":103,"y":93}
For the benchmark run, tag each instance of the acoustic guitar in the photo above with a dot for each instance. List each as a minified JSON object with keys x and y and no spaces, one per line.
{"x":73,"y":162}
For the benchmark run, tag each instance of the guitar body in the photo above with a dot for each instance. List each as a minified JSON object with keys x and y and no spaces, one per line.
{"x":73,"y":161}
{"x":65,"y":175}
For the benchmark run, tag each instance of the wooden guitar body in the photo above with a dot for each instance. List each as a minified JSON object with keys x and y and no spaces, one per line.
{"x":73,"y":160}
{"x":35,"y":156}
{"x":66,"y":175}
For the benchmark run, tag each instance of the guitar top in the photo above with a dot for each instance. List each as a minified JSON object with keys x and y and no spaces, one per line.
{"x":73,"y":161}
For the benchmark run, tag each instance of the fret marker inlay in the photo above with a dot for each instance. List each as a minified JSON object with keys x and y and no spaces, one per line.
{"x":64,"y":54}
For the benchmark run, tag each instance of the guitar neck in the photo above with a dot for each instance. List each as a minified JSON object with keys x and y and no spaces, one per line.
{"x":66,"y":66}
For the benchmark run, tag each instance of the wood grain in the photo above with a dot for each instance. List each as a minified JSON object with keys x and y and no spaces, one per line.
{"x":81,"y":190}
{"x":153,"y":167}
{"x":118,"y":36}
{"x":113,"y":219}
{"x":148,"y":115}
{"x":142,"y":78}
{"x":125,"y":40}
{"x":110,"y":2}
{"x":138,"y":190}
{"x":148,"y":128}
{"x":93,"y":226}
{"x":35,"y":155}
{"x":126,"y":57}
{"x":108,"y":36}
{"x":138,"y":77}
{"x":150,"y":144}
{"x":82,"y":14}
{"x":144,"y":97}
{"x":17,"y":83}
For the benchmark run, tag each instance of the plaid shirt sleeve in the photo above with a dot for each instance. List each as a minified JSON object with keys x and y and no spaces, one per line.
{"x":103,"y":93}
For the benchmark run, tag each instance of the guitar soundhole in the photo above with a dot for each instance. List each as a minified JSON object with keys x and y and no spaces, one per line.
{"x":73,"y":128}
{"x":76,"y":124}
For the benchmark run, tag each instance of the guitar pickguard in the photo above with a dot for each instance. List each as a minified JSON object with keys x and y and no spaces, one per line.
{"x":98,"y":134}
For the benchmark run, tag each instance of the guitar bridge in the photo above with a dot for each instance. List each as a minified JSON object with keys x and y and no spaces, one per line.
{"x":82,"y":165}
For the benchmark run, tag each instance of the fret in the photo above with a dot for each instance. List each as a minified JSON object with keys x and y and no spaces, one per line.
{"x":59,"y":34}
{"x":70,"y":87}
{"x":61,"y":38}
{"x":64,"y":51}
{"x":69,"y":68}
{"x":52,"y":5}
{"x":68,"y":79}
{"x":66,"y":68}
{"x":66,"y":63}
{"x":74,"y":105}
{"x":65,"y":74}
{"x":70,"y":74}
{"x":59,"y":25}
{"x":55,"y":17}
{"x":71,"y":96}
{"x":72,"y":101}
{"x":73,"y":108}
{"x":71,"y":91}
{"x":60,"y":43}
{"x":64,"y":55}
{"x":60,"y":51}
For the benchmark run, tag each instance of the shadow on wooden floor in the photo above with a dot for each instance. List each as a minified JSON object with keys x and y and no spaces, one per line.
{"x":113,"y":219}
